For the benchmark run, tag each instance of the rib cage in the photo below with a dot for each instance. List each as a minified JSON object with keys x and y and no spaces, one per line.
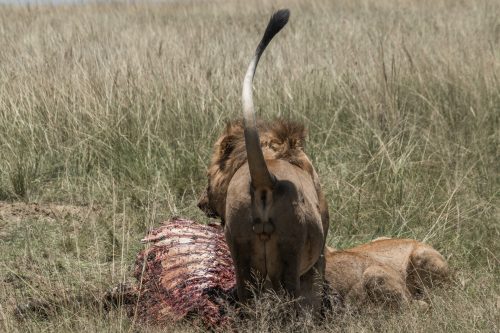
{"x":187,"y":272}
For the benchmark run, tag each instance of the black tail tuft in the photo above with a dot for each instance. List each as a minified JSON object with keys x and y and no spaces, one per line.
{"x":276,"y":23}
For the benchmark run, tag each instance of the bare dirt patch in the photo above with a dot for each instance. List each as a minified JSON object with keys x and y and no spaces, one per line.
{"x":14,"y":212}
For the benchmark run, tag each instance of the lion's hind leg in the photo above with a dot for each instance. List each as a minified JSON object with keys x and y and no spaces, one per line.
{"x":385,"y":286}
{"x":311,"y":287}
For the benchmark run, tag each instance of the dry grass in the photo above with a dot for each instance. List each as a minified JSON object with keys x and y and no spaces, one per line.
{"x":114,"y":109}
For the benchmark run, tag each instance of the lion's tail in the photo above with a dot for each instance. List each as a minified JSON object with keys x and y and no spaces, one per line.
{"x":259,"y":173}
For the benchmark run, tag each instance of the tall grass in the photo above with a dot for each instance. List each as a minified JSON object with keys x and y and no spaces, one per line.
{"x":114,"y":108}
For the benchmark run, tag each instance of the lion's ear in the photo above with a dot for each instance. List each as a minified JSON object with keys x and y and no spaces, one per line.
{"x":303,"y":137}
{"x":300,"y":136}
{"x":226,"y":147}
{"x":298,"y":143}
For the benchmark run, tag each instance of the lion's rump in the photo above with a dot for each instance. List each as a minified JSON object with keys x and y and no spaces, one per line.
{"x":280,"y":139}
{"x":186,"y":272}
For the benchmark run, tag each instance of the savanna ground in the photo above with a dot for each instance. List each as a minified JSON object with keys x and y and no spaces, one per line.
{"x":108,"y":114}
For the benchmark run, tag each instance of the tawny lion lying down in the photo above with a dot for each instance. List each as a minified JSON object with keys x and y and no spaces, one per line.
{"x":385,"y":271}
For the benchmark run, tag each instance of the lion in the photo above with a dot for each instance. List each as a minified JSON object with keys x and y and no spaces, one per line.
{"x":267,"y":193}
{"x":386,"y":271}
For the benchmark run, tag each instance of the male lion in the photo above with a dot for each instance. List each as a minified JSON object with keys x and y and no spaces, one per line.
{"x":268,"y":195}
{"x":385,"y":271}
